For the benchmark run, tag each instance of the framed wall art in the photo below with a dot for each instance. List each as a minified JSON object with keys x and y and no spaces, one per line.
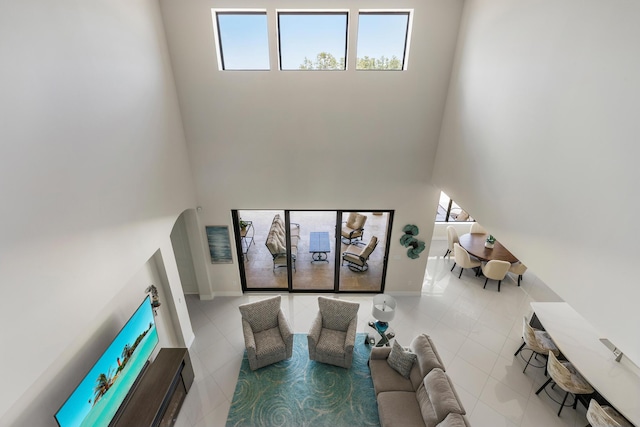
{"x":219,"y":244}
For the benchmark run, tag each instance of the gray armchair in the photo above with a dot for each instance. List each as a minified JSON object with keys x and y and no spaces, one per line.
{"x":333,"y":332}
{"x":267,"y":334}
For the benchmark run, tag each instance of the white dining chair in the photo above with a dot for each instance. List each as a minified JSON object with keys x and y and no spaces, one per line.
{"x":519,"y":269}
{"x":477,"y":229}
{"x":452,"y":237}
{"x":495,"y":270}
{"x":463,"y":259}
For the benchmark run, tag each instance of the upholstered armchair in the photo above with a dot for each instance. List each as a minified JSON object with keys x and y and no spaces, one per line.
{"x":267,"y":334}
{"x":333,"y":332}
{"x":357,"y":257}
{"x":354,"y":228}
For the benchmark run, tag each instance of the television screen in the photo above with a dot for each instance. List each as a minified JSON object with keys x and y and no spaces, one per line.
{"x":97,"y":398}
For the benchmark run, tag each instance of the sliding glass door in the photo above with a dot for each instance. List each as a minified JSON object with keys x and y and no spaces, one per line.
{"x":316,"y":247}
{"x":262,"y":266}
{"x":363,"y":259}
{"x":312,"y":251}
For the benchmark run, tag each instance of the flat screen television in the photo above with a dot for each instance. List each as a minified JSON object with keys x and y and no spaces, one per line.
{"x":97,"y":398}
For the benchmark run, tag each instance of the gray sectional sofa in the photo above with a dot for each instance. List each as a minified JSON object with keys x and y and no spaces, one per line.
{"x":426,"y":398}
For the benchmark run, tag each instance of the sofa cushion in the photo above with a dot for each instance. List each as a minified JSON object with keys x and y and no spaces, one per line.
{"x":399,"y":408}
{"x":427,"y":354}
{"x":331,"y":342}
{"x":429,"y":416}
{"x":400,"y":360}
{"x":385,"y":378}
{"x":453,"y":420}
{"x":269,"y":342}
{"x":441,"y":395}
{"x":273,"y":245}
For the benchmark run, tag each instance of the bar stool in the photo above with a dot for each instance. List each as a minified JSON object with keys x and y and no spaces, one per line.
{"x":567,"y":378}
{"x":605,"y":416}
{"x":539,"y":342}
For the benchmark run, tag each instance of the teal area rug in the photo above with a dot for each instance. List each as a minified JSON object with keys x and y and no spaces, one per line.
{"x":301,"y":392}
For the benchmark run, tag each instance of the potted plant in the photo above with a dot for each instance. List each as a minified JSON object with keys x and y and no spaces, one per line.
{"x":490,"y":242}
{"x":243,"y":225}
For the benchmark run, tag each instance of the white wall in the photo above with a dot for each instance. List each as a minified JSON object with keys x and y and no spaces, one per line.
{"x":93,"y":174}
{"x":66,"y":372}
{"x":440,"y":229}
{"x":314,"y":140}
{"x":184,"y":259}
{"x":539,"y":144}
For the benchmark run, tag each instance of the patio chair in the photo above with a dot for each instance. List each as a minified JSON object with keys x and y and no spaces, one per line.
{"x":267,"y":334}
{"x":353,"y":228}
{"x":357,"y":257}
{"x":333,"y":332}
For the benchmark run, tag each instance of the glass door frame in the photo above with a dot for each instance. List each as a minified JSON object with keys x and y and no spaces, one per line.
{"x":235,"y":216}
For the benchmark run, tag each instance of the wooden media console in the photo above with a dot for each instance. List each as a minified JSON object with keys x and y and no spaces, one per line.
{"x":157,"y":399}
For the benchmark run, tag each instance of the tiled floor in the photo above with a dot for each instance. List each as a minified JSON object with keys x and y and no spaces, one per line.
{"x":476,"y":332}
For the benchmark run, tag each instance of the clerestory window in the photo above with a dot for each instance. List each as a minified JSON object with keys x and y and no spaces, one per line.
{"x":242,"y":40}
{"x":383,"y":40}
{"x":312,"y":40}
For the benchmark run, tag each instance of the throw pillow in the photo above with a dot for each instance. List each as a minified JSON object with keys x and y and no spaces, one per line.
{"x":401,"y":360}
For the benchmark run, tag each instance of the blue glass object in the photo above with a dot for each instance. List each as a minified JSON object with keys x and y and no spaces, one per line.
{"x":381,"y":327}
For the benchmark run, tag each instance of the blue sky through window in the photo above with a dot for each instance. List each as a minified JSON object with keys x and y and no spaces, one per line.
{"x":382,"y":34}
{"x":244,"y":41}
{"x":308,"y":34}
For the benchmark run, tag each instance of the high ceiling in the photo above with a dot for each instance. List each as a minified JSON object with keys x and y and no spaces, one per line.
{"x":272,"y":122}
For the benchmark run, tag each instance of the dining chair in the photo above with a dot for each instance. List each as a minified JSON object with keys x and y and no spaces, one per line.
{"x":605,"y":416}
{"x":477,"y":229}
{"x":565,"y":376}
{"x":539,"y":342}
{"x":495,"y":270}
{"x":452,"y":237}
{"x":463,"y":259}
{"x":518,"y":268}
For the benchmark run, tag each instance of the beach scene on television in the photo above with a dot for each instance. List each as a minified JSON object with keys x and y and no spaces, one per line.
{"x":97,"y":398}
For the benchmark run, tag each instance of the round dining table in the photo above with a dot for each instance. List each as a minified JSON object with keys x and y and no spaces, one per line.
{"x":474,"y":244}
